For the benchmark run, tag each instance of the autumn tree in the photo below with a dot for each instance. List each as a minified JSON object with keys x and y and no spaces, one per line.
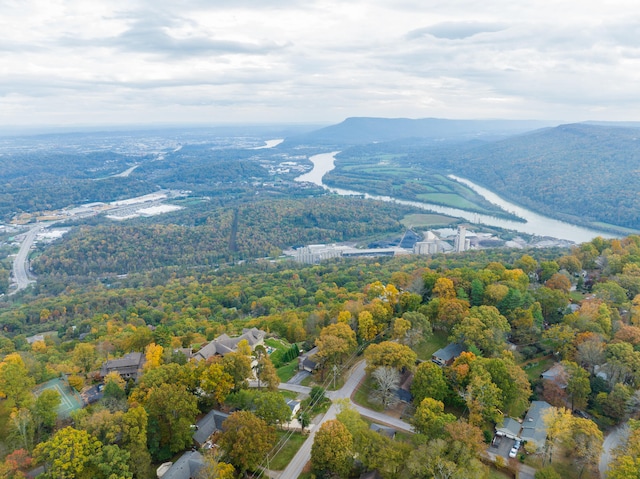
{"x":335,"y":343}
{"x":68,"y":453}
{"x":84,"y":356}
{"x":332,"y":449}
{"x":388,"y":353}
{"x":400,"y":329}
{"x":444,"y":289}
{"x":216,"y":382}
{"x":246,"y":439}
{"x":266,"y":373}
{"x":15,"y":381}
{"x":153,"y":355}
{"x":238,"y":366}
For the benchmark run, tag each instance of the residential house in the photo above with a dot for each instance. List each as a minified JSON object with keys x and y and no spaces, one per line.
{"x":294,"y":405}
{"x":384,"y":430}
{"x":509,"y":428}
{"x":187,"y":467}
{"x":447,"y":355}
{"x":225,"y":344}
{"x":208,"y":425}
{"x":129,"y":366}
{"x":306,"y":361}
{"x":534,"y":429}
{"x":556,"y":374}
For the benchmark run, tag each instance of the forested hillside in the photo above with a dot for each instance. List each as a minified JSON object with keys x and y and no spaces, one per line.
{"x":586,"y":171}
{"x":583,"y":173}
{"x":208,"y":235}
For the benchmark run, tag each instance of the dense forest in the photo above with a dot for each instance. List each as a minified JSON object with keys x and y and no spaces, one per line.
{"x":215,"y":235}
{"x":574,"y":308}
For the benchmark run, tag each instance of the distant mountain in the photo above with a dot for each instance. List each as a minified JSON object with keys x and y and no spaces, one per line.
{"x":588,"y":171}
{"x":362,"y":130}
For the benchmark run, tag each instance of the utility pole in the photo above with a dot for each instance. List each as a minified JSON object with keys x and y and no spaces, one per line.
{"x":335,"y":373}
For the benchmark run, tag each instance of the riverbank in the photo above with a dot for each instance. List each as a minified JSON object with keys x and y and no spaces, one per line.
{"x":534,"y":223}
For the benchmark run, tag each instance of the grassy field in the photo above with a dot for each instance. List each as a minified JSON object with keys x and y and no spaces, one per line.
{"x":287,"y":371}
{"x":426,"y":348}
{"x":362,"y":395}
{"x":280,"y":461}
{"x":426,"y":220}
{"x":535,"y":368}
{"x":449,"y":199}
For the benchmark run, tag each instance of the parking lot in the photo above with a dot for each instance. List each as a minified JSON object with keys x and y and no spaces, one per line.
{"x":503,"y":448}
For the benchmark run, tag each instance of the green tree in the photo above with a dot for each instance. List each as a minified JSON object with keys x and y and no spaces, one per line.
{"x":45,"y":409}
{"x":332,"y":449}
{"x":578,"y":385}
{"x":272,"y":407}
{"x":172,"y":410}
{"x":429,"y":382}
{"x":246,"y":439}
{"x":484,"y":400}
{"x":430,"y":418}
{"x":484,"y":328}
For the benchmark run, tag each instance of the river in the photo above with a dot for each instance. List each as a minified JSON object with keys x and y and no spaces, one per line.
{"x":535,"y":223}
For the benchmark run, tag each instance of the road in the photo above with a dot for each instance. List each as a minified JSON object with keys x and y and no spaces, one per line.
{"x":615,"y":437}
{"x":20,"y":273}
{"x":295,"y":467}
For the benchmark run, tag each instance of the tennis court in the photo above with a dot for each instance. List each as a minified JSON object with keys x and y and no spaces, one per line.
{"x":69,"y":399}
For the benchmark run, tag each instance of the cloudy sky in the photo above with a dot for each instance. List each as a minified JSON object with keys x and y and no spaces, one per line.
{"x":68,"y":62}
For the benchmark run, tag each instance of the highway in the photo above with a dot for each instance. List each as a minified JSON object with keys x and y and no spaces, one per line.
{"x":20,"y":272}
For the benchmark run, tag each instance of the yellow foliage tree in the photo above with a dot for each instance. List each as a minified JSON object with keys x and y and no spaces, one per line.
{"x":153,"y":355}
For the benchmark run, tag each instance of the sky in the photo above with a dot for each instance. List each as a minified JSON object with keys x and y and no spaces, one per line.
{"x":117,"y":62}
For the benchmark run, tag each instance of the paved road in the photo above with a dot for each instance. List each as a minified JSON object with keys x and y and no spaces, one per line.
{"x":294,"y":469}
{"x":20,"y":273}
{"x":615,"y":437}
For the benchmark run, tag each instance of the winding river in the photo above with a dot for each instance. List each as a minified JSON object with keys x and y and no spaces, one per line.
{"x":535,"y":223}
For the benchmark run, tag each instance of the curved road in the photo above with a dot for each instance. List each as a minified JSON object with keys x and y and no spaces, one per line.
{"x":20,"y":273}
{"x":295,"y":467}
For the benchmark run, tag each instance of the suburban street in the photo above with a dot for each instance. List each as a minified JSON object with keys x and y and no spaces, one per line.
{"x":613,"y":439}
{"x":357,"y":374}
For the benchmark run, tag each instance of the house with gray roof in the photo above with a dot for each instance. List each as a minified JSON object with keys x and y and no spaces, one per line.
{"x":534,"y":430}
{"x":187,"y":467}
{"x":128,"y":367}
{"x":225,"y":344}
{"x":556,"y":374}
{"x":208,"y":425}
{"x":384,"y":430}
{"x":509,"y":428}
{"x":447,"y":355}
